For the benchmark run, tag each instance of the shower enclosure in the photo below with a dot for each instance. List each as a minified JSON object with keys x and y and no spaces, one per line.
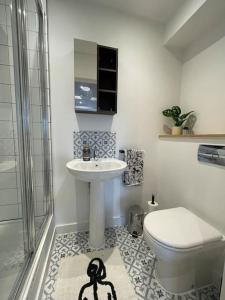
{"x":25,"y":141}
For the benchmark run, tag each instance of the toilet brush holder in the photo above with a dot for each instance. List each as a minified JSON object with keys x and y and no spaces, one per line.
{"x":152,"y":206}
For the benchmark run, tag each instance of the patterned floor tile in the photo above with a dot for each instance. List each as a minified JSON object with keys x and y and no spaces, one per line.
{"x":138,"y":259}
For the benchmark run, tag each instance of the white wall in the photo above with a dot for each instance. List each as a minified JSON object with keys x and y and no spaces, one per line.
{"x":183,"y":180}
{"x":181,"y":16}
{"x":203,"y":88}
{"x":148,"y":81}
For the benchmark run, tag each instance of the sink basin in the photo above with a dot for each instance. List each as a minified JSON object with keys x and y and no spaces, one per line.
{"x":96,"y":172}
{"x":103,"y":169}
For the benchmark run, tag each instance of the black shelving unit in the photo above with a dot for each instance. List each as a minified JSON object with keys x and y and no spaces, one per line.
{"x":107,"y":68}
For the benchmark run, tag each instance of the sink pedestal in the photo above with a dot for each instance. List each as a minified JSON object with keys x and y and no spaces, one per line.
{"x":97,"y":214}
{"x":96,"y":172}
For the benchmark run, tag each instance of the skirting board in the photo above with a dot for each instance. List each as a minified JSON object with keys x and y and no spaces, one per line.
{"x":76,"y":227}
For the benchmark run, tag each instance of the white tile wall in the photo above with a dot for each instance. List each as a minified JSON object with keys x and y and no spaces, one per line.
{"x":5,"y":74}
{"x":16,"y":146}
{"x":9,"y":178}
{"x":8,"y":196}
{"x":35,"y":96}
{"x":32,"y":40}
{"x":13,"y":94}
{"x":49,"y":115}
{"x":8,"y":181}
{"x":48,"y":97}
{"x":8,"y":2}
{"x":38,"y":179}
{"x":4,"y":55}
{"x":11,"y":55}
{"x":5,"y":93}
{"x":6,"y":130}
{"x":39,"y":194}
{"x":36,"y":113}
{"x":7,"y":147}
{"x":8,"y":16}
{"x":32,"y":21}
{"x":7,"y":164}
{"x":31,"y":6}
{"x":15,"y":133}
{"x":33,"y":59}
{"x":34,"y":77}
{"x":8,"y":212}
{"x":37,"y":133}
{"x":9,"y":32}
{"x":5,"y":112}
{"x":37,"y":147}
{"x":38,"y":162}
{"x":2,"y":14}
{"x":14,"y":111}
{"x":47,"y":81}
{"x":3,"y":35}
{"x":12,"y":80}
{"x":39,"y":211}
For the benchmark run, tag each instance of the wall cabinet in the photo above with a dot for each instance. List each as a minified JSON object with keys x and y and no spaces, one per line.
{"x":96,"y":73}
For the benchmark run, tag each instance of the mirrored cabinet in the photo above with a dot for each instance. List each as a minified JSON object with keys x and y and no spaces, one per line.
{"x":96,"y":73}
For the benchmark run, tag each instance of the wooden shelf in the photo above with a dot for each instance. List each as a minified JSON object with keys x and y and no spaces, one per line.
{"x":195,"y":136}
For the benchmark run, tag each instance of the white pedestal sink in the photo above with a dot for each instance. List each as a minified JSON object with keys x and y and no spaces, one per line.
{"x":96,"y":172}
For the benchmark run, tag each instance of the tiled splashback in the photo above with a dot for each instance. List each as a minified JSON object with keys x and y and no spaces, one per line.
{"x":103,"y":142}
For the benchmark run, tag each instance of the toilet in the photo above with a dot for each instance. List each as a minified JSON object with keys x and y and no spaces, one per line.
{"x":189,"y":251}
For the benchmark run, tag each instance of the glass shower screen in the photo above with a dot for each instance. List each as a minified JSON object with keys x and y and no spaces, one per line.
{"x":25,"y":141}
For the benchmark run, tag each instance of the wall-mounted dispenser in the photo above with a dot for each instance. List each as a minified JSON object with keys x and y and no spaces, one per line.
{"x":212,"y":154}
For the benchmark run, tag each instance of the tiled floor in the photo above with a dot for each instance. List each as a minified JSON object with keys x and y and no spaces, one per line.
{"x":138,"y":259}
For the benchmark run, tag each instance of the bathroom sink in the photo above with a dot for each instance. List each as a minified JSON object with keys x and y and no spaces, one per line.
{"x":96,"y":172}
{"x":103,"y":169}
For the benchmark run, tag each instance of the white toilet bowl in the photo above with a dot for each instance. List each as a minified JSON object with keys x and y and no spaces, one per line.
{"x":189,"y":252}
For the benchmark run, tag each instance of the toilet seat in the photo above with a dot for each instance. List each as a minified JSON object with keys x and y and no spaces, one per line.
{"x":179,"y":229}
{"x":169,"y":248}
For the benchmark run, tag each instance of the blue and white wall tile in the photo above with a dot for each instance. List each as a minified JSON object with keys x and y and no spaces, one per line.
{"x":103,"y":142}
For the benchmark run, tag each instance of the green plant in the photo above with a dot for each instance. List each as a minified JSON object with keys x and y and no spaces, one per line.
{"x":175,"y":114}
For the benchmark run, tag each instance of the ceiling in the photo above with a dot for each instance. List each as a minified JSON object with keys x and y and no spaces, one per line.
{"x":155,"y":10}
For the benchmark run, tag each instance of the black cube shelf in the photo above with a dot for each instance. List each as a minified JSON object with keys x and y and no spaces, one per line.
{"x":107,"y":68}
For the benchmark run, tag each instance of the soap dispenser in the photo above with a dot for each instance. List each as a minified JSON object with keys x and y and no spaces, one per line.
{"x":86,"y":152}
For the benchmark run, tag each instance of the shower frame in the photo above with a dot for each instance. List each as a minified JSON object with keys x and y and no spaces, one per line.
{"x":20,"y":57}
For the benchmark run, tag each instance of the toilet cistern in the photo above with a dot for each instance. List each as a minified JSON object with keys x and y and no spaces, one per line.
{"x":96,"y":172}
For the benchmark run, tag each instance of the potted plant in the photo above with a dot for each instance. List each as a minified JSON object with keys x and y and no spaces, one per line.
{"x":179,"y":119}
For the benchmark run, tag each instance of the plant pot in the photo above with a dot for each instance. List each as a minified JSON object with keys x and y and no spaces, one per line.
{"x":176,"y":130}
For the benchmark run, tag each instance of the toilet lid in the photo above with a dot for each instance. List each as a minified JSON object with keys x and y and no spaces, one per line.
{"x":180,"y":228}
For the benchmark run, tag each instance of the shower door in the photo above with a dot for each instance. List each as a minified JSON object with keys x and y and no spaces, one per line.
{"x":13,"y":233}
{"x":25,"y":154}
{"x":39,"y":115}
